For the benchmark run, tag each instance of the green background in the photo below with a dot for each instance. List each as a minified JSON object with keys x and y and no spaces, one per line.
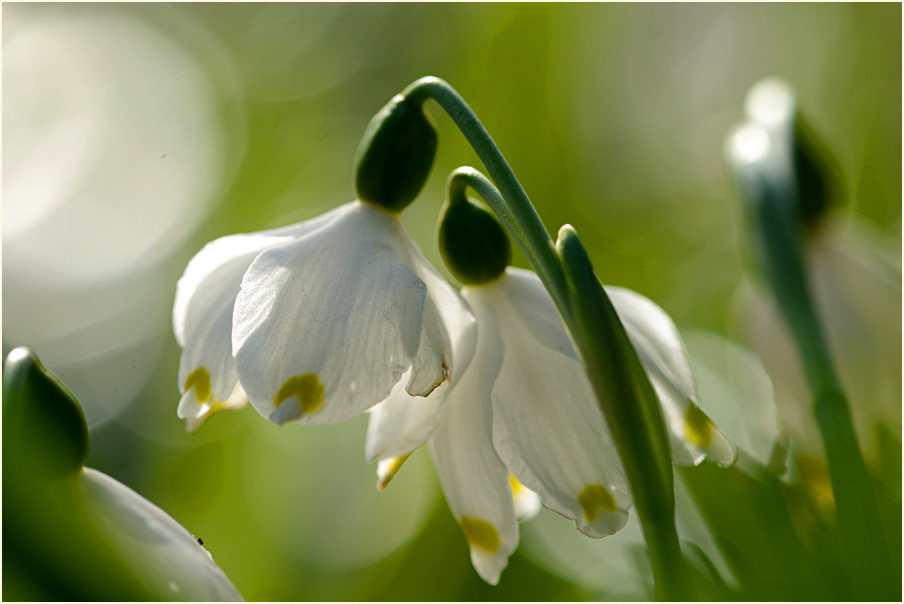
{"x":612,"y":116}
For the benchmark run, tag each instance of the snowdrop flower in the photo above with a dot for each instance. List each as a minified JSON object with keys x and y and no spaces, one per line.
{"x":523,"y":418}
{"x":319,"y":321}
{"x":315,"y":322}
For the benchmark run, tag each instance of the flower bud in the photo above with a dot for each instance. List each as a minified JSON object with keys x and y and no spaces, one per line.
{"x":44,"y":428}
{"x":473,"y":244}
{"x":818,"y":181}
{"x":796,"y":149}
{"x":395,"y":155}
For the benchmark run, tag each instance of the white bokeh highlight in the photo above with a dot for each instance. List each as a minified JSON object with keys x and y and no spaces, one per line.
{"x":114,"y":150}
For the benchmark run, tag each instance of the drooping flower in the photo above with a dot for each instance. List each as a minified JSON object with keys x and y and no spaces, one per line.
{"x":314,"y":322}
{"x":522,"y":418}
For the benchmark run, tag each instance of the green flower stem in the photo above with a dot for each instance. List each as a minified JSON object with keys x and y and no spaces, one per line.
{"x":514,"y":210}
{"x":617,"y":376}
{"x":857,"y":511}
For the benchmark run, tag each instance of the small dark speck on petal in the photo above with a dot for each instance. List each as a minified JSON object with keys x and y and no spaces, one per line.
{"x":163,"y":156}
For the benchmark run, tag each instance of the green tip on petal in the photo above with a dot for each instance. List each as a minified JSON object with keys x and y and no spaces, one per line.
{"x":473,"y":244}
{"x":395,"y":155}
{"x":44,"y":428}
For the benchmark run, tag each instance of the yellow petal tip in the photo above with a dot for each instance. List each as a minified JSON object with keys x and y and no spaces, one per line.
{"x":199,"y":379}
{"x":698,"y":428}
{"x":596,"y":497}
{"x":387,"y":468}
{"x":480,"y":534}
{"x":306,"y":388}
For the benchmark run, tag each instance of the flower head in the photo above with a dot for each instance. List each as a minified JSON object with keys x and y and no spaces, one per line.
{"x":314,"y":322}
{"x":524,"y":408}
{"x":522,"y":420}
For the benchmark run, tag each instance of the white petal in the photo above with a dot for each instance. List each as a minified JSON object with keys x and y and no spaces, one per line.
{"x":324,"y":326}
{"x":196,"y":413}
{"x":547,"y":427}
{"x":527,"y":503}
{"x":739,"y":397}
{"x":473,"y":477}
{"x":212,"y":270}
{"x":388,"y":467}
{"x":535,"y":308}
{"x":401,"y":423}
{"x":660,"y":349}
{"x":450,"y":331}
{"x":202,"y":318}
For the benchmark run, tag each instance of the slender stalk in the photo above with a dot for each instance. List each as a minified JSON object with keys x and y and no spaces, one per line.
{"x":625,"y":396}
{"x":517,"y":213}
{"x":857,"y":511}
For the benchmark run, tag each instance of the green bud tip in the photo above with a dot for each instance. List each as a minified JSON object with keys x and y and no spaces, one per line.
{"x":771,"y":103}
{"x":44,"y":426}
{"x":395,"y":155}
{"x":473,"y":244}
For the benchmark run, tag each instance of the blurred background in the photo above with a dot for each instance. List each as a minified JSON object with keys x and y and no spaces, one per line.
{"x":135,"y":133}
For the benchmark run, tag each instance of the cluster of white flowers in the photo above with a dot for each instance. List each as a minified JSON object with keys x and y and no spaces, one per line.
{"x":342,"y":314}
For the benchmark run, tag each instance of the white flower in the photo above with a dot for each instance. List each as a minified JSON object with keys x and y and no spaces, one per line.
{"x":316,"y":321}
{"x":524,"y":412}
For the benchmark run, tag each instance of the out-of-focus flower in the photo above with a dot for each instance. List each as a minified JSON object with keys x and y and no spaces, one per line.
{"x":855,"y":285}
{"x":524,"y":412}
{"x":857,"y":293}
{"x":314,"y":322}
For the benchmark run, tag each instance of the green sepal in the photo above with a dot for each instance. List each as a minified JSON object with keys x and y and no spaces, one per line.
{"x":473,"y":244}
{"x":395,"y":155}
{"x":44,"y":427}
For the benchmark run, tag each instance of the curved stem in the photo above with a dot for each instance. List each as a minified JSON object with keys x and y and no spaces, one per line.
{"x":517,"y":213}
{"x":623,"y":391}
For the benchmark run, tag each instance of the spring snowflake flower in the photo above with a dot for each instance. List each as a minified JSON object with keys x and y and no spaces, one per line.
{"x":523,"y":418}
{"x":316,"y":321}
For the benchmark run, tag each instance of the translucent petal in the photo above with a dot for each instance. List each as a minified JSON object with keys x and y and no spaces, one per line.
{"x":402,"y":422}
{"x":450,"y":331}
{"x":325,"y":325}
{"x":536,"y":309}
{"x":693,"y":435}
{"x":527,"y":503}
{"x":218,"y":268}
{"x":473,"y":477}
{"x":547,"y":427}
{"x":739,"y":397}
{"x":202,"y":318}
{"x":196,"y":413}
